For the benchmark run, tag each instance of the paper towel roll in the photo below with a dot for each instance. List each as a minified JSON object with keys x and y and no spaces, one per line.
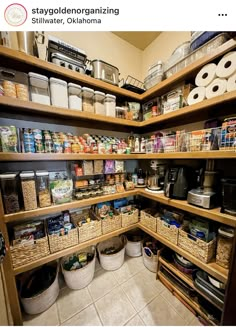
{"x":227,"y":65}
{"x":217,"y":87}
{"x":196,"y":95}
{"x":231,"y":83}
{"x":206,"y":75}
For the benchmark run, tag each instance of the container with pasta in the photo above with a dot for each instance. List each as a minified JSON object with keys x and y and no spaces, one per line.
{"x":28,"y":190}
{"x":43,"y":188}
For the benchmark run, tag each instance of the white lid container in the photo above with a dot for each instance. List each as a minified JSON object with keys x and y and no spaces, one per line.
{"x":88,"y":99}
{"x":110,"y":97}
{"x":75,"y":96}
{"x":29,"y":173}
{"x":74,"y":89}
{"x":59,"y":92}
{"x":42,"y":173}
{"x":99,"y":107}
{"x":110,"y":105}
{"x":87,"y":92}
{"x":39,"y":88}
{"x":8,"y":175}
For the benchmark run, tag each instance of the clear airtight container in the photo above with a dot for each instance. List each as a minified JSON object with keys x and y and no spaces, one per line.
{"x":99,"y":106}
{"x":59,"y":92}
{"x":28,"y":188}
{"x":87,"y":99}
{"x":75,"y":96}
{"x":110,"y":105}
{"x":10,"y":191}
{"x":224,"y":246}
{"x":43,"y":188}
{"x":39,"y":88}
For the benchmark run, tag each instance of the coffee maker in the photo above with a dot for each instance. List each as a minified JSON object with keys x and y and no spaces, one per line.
{"x":206,"y":195}
{"x":177,"y":183}
{"x":155,"y":181}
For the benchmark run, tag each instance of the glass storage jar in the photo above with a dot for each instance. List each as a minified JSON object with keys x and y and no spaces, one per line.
{"x":110,"y":105}
{"x":9,"y":188}
{"x":43,"y":188}
{"x":28,"y":188}
{"x":224,"y":246}
{"x":59,"y":92}
{"x":75,"y":97}
{"x":39,"y":88}
{"x":99,"y":107}
{"x":87,"y":99}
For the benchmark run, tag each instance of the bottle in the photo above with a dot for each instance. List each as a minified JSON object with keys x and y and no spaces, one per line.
{"x":143,"y":145}
{"x":141,"y":177}
{"x":131,"y":142}
{"x":135,"y":177}
{"x":136,"y":145}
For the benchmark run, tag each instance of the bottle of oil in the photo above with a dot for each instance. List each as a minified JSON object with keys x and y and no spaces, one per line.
{"x":131,"y":142}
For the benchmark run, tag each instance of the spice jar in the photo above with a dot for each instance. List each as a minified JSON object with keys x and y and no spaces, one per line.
{"x":99,"y":107}
{"x":110,"y":105}
{"x":43,"y":189}
{"x":87,"y":99}
{"x":10,"y":192}
{"x":224,"y":246}
{"x":75,"y":100}
{"x":28,"y":190}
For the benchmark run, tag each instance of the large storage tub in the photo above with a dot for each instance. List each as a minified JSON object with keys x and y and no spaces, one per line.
{"x":133,"y":246}
{"x":150,"y":261}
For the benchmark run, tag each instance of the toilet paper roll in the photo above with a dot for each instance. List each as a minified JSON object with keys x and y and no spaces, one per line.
{"x":217,"y":87}
{"x":206,"y":75}
{"x":231,"y":83}
{"x":196,"y":95}
{"x":227,"y":65}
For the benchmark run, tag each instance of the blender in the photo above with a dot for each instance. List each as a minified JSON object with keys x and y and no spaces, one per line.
{"x":155,"y":181}
{"x":206,"y":194}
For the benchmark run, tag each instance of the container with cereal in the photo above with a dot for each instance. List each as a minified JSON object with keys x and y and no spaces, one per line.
{"x":224,"y":246}
{"x":28,"y":190}
{"x":43,"y":188}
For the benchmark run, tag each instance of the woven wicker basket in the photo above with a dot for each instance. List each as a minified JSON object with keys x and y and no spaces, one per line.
{"x":170,"y":232}
{"x":110,"y":224}
{"x":58,"y":243}
{"x":22,"y":254}
{"x":202,"y":250}
{"x":112,"y":261}
{"x":44,"y":300}
{"x":89,"y":230}
{"x":80,"y":278}
{"x":147,"y":220}
{"x":129,"y":219}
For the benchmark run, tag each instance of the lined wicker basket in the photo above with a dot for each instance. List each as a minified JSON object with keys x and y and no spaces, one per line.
{"x":22,"y":254}
{"x":89,"y":230}
{"x":116,"y":260}
{"x":111,"y":223}
{"x":80,"y":278}
{"x":170,"y":232}
{"x":129,"y":219}
{"x":148,"y":220}
{"x":200,"y":249}
{"x":58,"y":243}
{"x":150,"y":262}
{"x":44,"y":300}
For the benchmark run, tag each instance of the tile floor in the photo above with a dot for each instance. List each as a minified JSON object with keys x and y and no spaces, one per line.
{"x":129,"y":296}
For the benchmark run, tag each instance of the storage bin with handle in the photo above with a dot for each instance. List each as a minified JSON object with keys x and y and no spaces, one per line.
{"x":116,"y":260}
{"x":39,"y":88}
{"x":80,"y":278}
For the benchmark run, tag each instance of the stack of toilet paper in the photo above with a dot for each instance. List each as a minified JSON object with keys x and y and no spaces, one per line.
{"x":214,"y":80}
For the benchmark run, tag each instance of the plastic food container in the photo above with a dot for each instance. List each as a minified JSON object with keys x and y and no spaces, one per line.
{"x":87,"y":99}
{"x":224,"y":246}
{"x":110,"y":105}
{"x":75,"y":96}
{"x":43,"y":188}
{"x":59,"y":92}
{"x":155,"y":75}
{"x":39,"y":88}
{"x":28,"y":190}
{"x":10,"y":192}
{"x":99,"y":106}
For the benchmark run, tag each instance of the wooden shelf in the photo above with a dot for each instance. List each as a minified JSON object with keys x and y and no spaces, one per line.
{"x":72,"y":249}
{"x":193,"y":304}
{"x":213,"y":214}
{"x":212,"y":268}
{"x":66,"y":206}
{"x":187,"y":279}
{"x":51,"y":70}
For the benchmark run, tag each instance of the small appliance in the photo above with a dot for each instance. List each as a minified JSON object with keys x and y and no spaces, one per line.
{"x":105,"y":72}
{"x":206,"y":195}
{"x":229,"y":198}
{"x":177,"y":182}
{"x":155,"y":182}
{"x":66,"y":55}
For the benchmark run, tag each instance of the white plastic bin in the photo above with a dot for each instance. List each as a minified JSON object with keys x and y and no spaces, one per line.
{"x":87,"y":99}
{"x":75,"y":96}
{"x":99,"y":106}
{"x":110,"y":105}
{"x":59,"y":92}
{"x":39,"y":88}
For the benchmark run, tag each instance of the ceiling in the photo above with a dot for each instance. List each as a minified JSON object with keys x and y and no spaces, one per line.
{"x":139,"y":39}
